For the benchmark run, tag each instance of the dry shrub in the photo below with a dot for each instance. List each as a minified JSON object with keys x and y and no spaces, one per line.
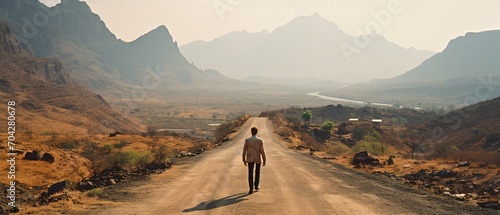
{"x":310,"y":141}
{"x":338,"y":149}
{"x":478,"y":156}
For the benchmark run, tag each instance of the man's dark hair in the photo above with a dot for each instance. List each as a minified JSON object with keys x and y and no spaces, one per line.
{"x":254,"y":130}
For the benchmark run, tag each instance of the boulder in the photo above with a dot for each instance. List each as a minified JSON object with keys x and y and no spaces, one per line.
{"x":390,"y":161}
{"x":48,"y":158}
{"x":311,"y":149}
{"x":85,"y":185}
{"x":32,"y":156}
{"x":183,"y":154}
{"x":14,"y":210}
{"x":199,"y":151}
{"x":365,"y":159}
{"x":59,"y":186}
{"x":464,"y":164}
{"x":300,"y":147}
{"x":110,"y":182}
{"x":118,"y":176}
{"x":445,"y":174}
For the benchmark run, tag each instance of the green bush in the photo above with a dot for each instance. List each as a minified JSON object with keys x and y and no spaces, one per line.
{"x":375,"y":148}
{"x":327,"y":126}
{"x":338,"y":149}
{"x":129,"y":158}
{"x":306,"y":117}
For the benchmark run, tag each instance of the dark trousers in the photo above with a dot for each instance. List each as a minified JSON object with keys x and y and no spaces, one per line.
{"x":251,"y":181}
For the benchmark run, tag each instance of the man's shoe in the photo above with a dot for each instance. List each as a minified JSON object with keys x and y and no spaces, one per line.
{"x":250,"y":192}
{"x":257,"y":189}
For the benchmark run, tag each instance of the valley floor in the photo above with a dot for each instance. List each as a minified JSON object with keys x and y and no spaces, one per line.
{"x":291,"y":184}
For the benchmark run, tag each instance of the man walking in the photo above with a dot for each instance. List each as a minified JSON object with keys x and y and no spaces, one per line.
{"x":252,"y":151}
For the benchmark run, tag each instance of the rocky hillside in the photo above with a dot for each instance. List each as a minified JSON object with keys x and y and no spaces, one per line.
{"x":92,"y":53}
{"x":475,"y":127}
{"x":47,"y":98}
{"x":357,"y":135}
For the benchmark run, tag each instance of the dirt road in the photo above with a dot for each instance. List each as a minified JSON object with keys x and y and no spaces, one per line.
{"x":291,"y":183}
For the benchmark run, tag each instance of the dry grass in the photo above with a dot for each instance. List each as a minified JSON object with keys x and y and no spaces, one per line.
{"x":403,"y":166}
{"x":477,"y":156}
{"x":78,"y":203}
{"x":69,"y":164}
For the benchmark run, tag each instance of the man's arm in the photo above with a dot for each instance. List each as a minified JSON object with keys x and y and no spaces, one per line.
{"x":263,"y":153}
{"x":244,"y":153}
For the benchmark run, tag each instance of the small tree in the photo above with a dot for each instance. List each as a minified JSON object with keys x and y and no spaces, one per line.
{"x":152,"y":145}
{"x":382,"y":148}
{"x":413,"y":146}
{"x":328,"y":126}
{"x":306,"y":117}
{"x":152,"y":130}
{"x":160,"y":154}
{"x":223,"y":130}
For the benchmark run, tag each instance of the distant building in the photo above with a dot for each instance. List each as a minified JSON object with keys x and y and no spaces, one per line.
{"x":377,"y":120}
{"x":353,"y":119}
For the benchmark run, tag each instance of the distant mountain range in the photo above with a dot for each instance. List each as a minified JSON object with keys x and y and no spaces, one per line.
{"x":465,"y":72}
{"x":306,"y":47}
{"x":46,"y":96}
{"x":93,"y":55}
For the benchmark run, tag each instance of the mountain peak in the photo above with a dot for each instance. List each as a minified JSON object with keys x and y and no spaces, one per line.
{"x":160,"y":33}
{"x":162,"y":29}
{"x":315,"y":15}
{"x":75,"y":4}
{"x":311,"y":23}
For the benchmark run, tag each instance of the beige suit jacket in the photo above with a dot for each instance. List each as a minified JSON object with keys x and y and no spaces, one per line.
{"x":253,"y":149}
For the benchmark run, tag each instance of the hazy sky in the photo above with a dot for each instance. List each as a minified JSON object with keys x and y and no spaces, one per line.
{"x":422,"y":24}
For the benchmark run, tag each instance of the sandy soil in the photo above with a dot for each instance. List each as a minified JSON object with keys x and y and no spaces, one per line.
{"x":291,"y":183}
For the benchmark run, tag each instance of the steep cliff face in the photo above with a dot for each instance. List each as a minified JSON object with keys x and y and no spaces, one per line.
{"x":8,"y":42}
{"x":49,"y":96}
{"x":153,"y":55}
{"x":51,"y":71}
{"x":93,"y":55}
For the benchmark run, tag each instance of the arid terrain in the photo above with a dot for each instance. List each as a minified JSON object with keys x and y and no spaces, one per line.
{"x":92,"y":122}
{"x":292,"y":183}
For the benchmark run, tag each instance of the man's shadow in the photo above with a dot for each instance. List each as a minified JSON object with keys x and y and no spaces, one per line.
{"x":225,"y":201}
